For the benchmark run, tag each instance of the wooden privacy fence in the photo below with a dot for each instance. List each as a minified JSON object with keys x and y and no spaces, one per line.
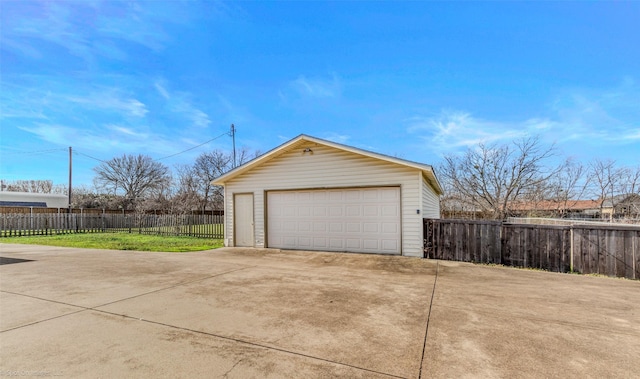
{"x":612,"y":250}
{"x":206,"y":226}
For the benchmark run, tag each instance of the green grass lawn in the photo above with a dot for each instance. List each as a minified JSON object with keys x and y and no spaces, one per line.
{"x":120,"y":241}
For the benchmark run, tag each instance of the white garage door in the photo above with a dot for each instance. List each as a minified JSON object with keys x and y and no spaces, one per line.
{"x":363,"y":220}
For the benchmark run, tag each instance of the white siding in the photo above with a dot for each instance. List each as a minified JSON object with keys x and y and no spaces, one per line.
{"x":430,"y":201}
{"x":328,"y":167}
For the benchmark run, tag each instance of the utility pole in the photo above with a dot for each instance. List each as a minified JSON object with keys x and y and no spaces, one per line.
{"x":233,"y":136}
{"x":70,"y":169}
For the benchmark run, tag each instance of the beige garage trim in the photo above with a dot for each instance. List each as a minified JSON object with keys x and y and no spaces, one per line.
{"x":360,"y":220}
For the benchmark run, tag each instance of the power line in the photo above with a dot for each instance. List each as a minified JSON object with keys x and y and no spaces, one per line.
{"x":165,"y":157}
{"x":194,"y":147}
{"x":88,"y":156}
{"x":33,"y":152}
{"x":76,"y":152}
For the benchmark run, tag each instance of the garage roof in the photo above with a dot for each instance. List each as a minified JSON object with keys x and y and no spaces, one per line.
{"x":427,"y":170}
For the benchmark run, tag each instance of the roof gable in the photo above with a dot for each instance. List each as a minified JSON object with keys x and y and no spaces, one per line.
{"x":301,"y":140}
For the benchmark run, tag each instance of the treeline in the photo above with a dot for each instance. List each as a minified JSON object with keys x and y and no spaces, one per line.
{"x":492,"y":181}
{"x":140,"y":183}
{"x":525,"y":177}
{"x":32,"y":186}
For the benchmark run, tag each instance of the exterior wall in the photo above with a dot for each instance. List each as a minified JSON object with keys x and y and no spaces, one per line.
{"x":430,"y":200}
{"x":328,"y":167}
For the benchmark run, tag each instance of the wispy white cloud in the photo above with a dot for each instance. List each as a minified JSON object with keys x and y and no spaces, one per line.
{"x":574,"y":116}
{"x":632,"y":135}
{"x":235,"y":113}
{"x":316,"y":87}
{"x":44,"y":97}
{"x":108,"y":139}
{"x":336,"y":137}
{"x":51,"y":22}
{"x":196,"y":116}
{"x":612,"y":115}
{"x":457,"y":129}
{"x":90,"y":29}
{"x":180,"y":103}
{"x":65,"y":135}
{"x":127,"y":131}
{"x":112,"y":100}
{"x":160,"y":87}
{"x":137,"y":24}
{"x":21,"y":47}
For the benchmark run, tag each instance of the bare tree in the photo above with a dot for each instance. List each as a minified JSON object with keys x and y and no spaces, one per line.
{"x":195,"y":181}
{"x":616,"y":187}
{"x":632,"y":188}
{"x":136,"y":176}
{"x":207,"y":167}
{"x":85,"y":197}
{"x":187,"y":196}
{"x":245,"y":155}
{"x":607,"y":181}
{"x":32,"y":186}
{"x":493,"y":177}
{"x":630,"y":183}
{"x":567,"y":186}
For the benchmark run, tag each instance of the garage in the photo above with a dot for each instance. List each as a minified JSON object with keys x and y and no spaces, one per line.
{"x":314,"y":194}
{"x":351,"y":220}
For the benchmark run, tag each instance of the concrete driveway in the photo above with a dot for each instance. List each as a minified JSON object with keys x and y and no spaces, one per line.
{"x":251,"y":313}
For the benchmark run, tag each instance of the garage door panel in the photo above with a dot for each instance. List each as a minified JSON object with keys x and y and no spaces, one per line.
{"x":370,"y":244}
{"x":370,"y":227}
{"x":335,"y":211}
{"x":290,"y":196}
{"x":320,"y":242}
{"x":289,"y":227}
{"x":319,"y":211}
{"x":336,"y":227}
{"x":336,"y":196}
{"x":304,"y":211}
{"x":304,"y":243}
{"x":352,"y":195}
{"x":304,"y":226}
{"x":370,"y":195}
{"x":353,"y":244}
{"x":371,"y":210}
{"x":391,"y":228}
{"x":352,"y":211}
{"x":353,"y":227}
{"x":390,"y":244}
{"x":319,"y":226}
{"x":358,"y":220}
{"x":389,"y":194}
{"x":319,"y":196}
{"x":300,"y":196}
{"x":336,"y":244}
{"x":389,"y":211}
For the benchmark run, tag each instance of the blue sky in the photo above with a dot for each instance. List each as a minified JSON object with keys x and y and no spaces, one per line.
{"x":413,"y":79}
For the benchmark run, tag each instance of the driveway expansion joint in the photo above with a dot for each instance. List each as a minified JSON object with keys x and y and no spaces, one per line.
{"x":169,"y":287}
{"x":93,"y":308}
{"x":426,"y":332}
{"x":511,"y":315}
{"x":255,"y":344}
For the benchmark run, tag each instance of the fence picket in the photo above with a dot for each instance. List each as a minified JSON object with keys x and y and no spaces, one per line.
{"x":23,"y":224}
{"x":611,"y":250}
